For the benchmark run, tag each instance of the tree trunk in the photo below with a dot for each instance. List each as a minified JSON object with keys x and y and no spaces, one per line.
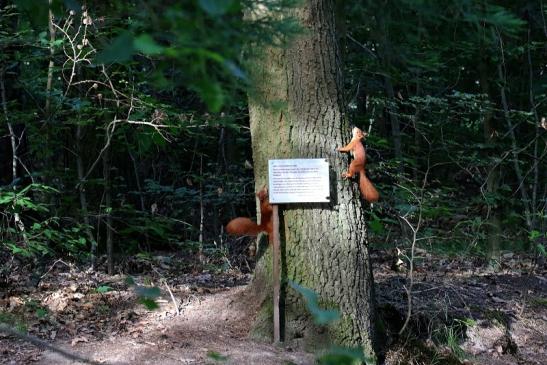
{"x":15,"y":142}
{"x":384,"y":51}
{"x":493,"y":222}
{"x":323,"y":245}
{"x":108,"y":211}
{"x":83,"y":196}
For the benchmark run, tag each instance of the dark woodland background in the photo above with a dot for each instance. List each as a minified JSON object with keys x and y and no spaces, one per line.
{"x":125,"y":128}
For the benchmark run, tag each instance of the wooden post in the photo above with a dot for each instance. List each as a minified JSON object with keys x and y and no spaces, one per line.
{"x":276,"y":273}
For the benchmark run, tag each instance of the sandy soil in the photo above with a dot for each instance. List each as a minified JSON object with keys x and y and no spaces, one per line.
{"x":505,"y":316}
{"x":211,"y":329}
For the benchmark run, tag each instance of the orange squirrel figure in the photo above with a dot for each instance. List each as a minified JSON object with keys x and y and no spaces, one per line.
{"x":355,"y":146}
{"x":243,"y":226}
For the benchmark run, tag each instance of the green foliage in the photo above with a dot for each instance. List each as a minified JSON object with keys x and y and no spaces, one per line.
{"x":41,"y":235}
{"x":103,"y":289}
{"x":321,"y":316}
{"x":345,"y":356}
{"x":539,"y":302}
{"x":205,"y":38}
{"x":35,"y":307}
{"x":335,"y":355}
{"x":185,"y":67}
{"x":442,"y":63}
{"x":146,"y":294}
{"x":121,"y":49}
{"x":213,"y":355}
{"x":13,"y":321}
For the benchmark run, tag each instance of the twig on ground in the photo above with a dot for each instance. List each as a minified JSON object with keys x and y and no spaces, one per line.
{"x":52,"y":266}
{"x":175,"y":304}
{"x":43,"y":344}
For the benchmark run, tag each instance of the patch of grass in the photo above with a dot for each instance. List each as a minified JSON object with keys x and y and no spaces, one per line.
{"x":416,"y":352}
{"x":452,"y":337}
{"x":497,"y":316}
{"x":12,"y":321}
{"x":216,"y":356}
{"x":539,"y":302}
{"x":35,"y":307}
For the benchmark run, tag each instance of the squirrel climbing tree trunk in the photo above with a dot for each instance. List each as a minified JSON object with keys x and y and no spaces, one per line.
{"x":297,"y":112}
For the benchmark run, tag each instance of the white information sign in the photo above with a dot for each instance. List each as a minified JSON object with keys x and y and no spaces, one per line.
{"x":299,"y":181}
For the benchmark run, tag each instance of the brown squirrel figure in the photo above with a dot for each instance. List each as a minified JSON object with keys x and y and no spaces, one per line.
{"x":355,"y":146}
{"x":243,"y":226}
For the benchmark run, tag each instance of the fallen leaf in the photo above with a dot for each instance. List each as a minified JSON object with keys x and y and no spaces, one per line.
{"x":78,"y":340}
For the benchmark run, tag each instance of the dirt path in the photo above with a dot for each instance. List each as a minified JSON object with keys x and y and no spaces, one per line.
{"x":210,"y":327}
{"x":496,"y":318}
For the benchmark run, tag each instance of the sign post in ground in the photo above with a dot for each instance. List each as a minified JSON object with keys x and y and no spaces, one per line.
{"x":292,"y":181}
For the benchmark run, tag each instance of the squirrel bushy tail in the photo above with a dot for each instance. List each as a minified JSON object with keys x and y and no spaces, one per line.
{"x":243,"y":226}
{"x":368,"y":191}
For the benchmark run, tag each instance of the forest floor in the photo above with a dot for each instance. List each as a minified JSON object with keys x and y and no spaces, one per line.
{"x":461,"y":312}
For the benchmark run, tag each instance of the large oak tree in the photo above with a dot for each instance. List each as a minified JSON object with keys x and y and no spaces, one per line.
{"x":297,"y":111}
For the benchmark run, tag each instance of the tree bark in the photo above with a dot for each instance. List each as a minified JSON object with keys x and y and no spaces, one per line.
{"x":493,"y":222}
{"x":15,"y":141}
{"x":384,"y":51}
{"x":83,"y":196}
{"x":108,"y":211}
{"x":297,"y":112}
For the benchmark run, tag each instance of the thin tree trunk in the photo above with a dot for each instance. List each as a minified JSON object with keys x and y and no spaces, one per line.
{"x":83,"y":196}
{"x":139,"y":186}
{"x":394,"y":120}
{"x":14,"y":158}
{"x":49,"y":83}
{"x":137,"y":180}
{"x":514,"y":150}
{"x":384,"y":52}
{"x":201,"y":210}
{"x":108,"y":210}
{"x":493,"y":223}
{"x":535,"y":183}
{"x":323,"y":245}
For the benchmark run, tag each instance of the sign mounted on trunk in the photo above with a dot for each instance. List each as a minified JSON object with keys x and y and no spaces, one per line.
{"x":304,"y":180}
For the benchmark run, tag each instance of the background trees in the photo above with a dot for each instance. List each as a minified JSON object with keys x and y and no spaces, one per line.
{"x":434,"y":81}
{"x":127,"y":126}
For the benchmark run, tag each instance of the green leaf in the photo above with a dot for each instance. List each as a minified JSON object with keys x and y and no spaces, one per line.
{"x":41,"y":312}
{"x":6,"y":198}
{"x":534,"y":235}
{"x":211,"y":93}
{"x":149,"y":303}
{"x":120,"y":50}
{"x":376,"y":225}
{"x":147,"y":45}
{"x":215,"y":7}
{"x":344,"y":356}
{"x":103,"y":289}
{"x":129,"y":280}
{"x":541,"y":249}
{"x":147,"y":292}
{"x":216,"y":356}
{"x":321,"y":316}
{"x":35,"y":11}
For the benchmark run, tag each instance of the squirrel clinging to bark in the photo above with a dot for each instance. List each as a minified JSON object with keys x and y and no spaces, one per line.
{"x":355,"y":146}
{"x":243,"y":226}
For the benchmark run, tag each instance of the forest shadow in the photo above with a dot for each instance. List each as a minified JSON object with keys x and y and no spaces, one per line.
{"x":467,"y":313}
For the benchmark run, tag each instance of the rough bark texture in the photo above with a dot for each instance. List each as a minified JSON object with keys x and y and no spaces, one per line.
{"x":298,"y":113}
